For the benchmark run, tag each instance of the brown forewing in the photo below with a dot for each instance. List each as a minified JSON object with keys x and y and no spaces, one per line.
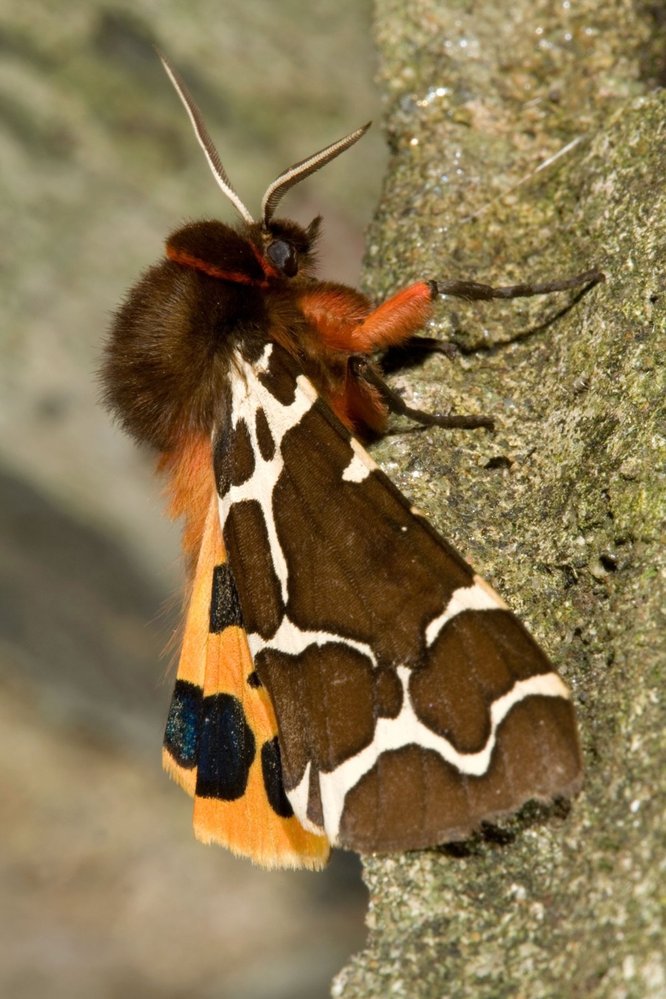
{"x":364,"y":570}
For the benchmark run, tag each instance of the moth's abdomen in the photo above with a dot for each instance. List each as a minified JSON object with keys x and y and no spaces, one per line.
{"x":166,"y":364}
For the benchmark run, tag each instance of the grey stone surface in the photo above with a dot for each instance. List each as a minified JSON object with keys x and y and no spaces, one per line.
{"x":562,"y":508}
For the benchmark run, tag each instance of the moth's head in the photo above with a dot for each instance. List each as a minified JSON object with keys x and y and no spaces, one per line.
{"x":287,"y":248}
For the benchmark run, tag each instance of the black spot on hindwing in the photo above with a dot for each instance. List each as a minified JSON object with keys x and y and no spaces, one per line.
{"x":181,"y":737}
{"x":226,"y":749}
{"x":271,"y":768}
{"x":224,"y":606}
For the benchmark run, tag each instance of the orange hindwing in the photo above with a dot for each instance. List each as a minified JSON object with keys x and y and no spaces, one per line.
{"x":221,"y":737}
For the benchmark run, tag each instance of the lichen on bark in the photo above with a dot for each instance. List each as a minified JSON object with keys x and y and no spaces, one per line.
{"x":562,"y":508}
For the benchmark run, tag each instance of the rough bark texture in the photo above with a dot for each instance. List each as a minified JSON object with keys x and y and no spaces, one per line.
{"x":562,"y":507}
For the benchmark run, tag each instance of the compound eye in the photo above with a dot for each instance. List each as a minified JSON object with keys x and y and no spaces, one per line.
{"x":284,"y":257}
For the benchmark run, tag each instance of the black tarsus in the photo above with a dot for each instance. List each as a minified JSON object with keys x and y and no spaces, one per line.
{"x":397,"y":404}
{"x":474,"y":291}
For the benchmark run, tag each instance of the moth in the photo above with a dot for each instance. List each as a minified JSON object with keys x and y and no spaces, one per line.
{"x":345,"y":677}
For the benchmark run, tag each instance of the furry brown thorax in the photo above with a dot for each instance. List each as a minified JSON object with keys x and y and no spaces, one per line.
{"x":166,"y":364}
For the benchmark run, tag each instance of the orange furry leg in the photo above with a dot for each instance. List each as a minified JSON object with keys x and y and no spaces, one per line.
{"x":394,"y":320}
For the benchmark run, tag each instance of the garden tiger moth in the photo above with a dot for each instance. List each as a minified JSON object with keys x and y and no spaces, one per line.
{"x":345,"y":678}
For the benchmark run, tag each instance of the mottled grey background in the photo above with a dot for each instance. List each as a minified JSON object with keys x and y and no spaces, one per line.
{"x":103,"y":890}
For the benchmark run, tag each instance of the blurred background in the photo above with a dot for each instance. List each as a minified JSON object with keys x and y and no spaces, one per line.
{"x":103,"y":890}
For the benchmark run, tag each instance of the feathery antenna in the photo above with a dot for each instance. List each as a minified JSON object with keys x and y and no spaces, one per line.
{"x":287,"y":179}
{"x":298,"y":171}
{"x":205,"y":141}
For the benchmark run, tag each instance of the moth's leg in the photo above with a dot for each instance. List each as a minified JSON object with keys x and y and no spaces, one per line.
{"x":363,"y":369}
{"x":474,"y":291}
{"x":413,"y":351}
{"x":394,"y":324}
{"x":413,"y":348}
{"x":395,"y":320}
{"x":346,"y":321}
